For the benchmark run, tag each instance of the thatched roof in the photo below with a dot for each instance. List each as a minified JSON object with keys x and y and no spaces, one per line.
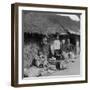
{"x":47,"y":23}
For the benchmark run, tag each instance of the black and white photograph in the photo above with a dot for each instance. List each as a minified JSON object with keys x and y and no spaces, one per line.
{"x":49,"y":44}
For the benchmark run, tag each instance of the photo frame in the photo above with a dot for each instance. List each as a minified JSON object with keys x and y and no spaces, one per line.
{"x":48,"y":44}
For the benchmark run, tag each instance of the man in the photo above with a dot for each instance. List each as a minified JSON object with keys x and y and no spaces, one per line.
{"x":57,"y":43}
{"x":57,"y":50}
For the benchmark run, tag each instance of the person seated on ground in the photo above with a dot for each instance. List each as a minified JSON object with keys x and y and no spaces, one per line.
{"x":43,"y":59}
{"x":71,"y":56}
{"x":59,"y":60}
{"x":40,"y":60}
{"x":51,"y":56}
{"x":66,"y":57}
{"x":36,"y":61}
{"x":51,"y":61}
{"x":33,"y":71}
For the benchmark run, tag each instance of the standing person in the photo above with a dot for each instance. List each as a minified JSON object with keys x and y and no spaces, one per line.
{"x":52,"y":48}
{"x":57,"y":50}
{"x":57,"y":44}
{"x":45,"y":46}
{"x":63,"y":44}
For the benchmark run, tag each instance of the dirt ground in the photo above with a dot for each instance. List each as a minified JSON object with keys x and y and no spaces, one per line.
{"x":73,"y":68}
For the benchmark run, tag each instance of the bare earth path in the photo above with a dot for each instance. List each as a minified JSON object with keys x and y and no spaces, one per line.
{"x":73,"y":69}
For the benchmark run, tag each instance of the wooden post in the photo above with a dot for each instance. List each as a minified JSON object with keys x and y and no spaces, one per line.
{"x":77,"y":47}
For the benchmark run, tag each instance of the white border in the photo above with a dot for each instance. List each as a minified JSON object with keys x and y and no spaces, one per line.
{"x":55,"y":78}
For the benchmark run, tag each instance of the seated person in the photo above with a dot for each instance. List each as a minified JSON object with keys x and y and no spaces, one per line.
{"x":59,"y":58}
{"x":40,"y":60}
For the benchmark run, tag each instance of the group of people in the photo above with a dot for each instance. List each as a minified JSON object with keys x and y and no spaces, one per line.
{"x":50,"y":53}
